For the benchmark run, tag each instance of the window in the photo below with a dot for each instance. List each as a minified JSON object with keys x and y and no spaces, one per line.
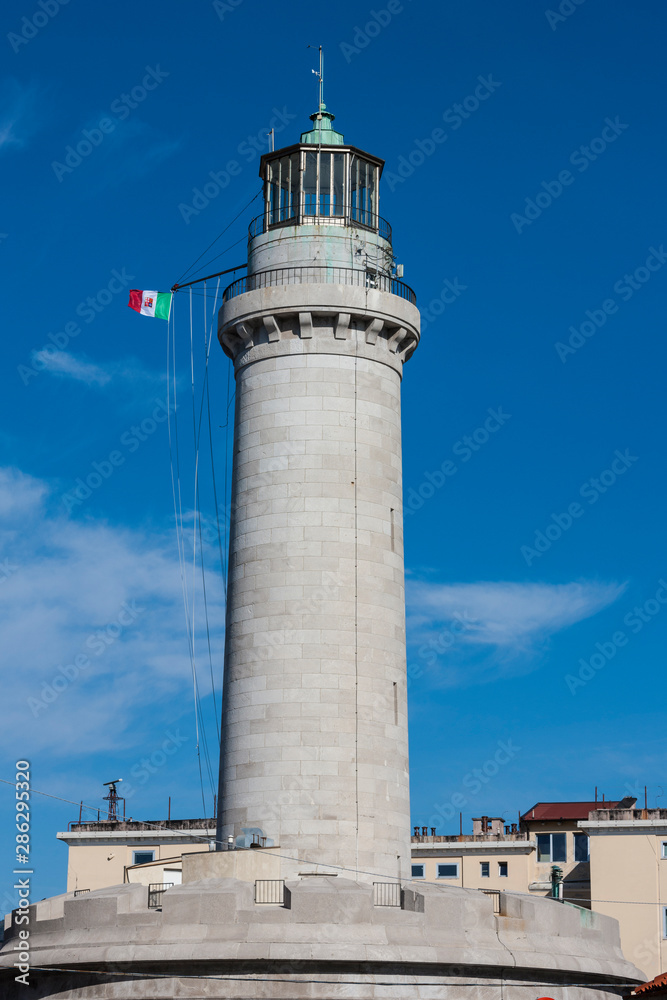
{"x":664,"y":921}
{"x":283,"y":182}
{"x":485,"y":869}
{"x":448,"y":871}
{"x":417,"y":871}
{"x":581,"y":847}
{"x":502,"y":869}
{"x":663,"y":852}
{"x":551,"y":847}
{"x":142,"y":857}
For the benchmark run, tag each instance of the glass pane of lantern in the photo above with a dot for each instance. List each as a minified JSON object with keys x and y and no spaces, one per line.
{"x":338,"y":196}
{"x":310,"y":184}
{"x":325,"y":184}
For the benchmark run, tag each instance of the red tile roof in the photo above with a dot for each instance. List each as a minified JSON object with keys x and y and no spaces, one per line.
{"x":656,"y":987}
{"x":552,"y":811}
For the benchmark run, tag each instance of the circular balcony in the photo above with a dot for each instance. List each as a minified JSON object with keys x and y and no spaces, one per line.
{"x":346,"y":216}
{"x":319,"y":275}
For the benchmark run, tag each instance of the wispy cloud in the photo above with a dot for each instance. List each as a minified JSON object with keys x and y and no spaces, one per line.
{"x":68,"y":593}
{"x":82,"y":369}
{"x":498,"y":626}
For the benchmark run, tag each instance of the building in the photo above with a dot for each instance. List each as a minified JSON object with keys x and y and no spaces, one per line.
{"x":628,"y":860}
{"x":314,"y":755}
{"x":110,"y":853}
{"x":519,"y":856}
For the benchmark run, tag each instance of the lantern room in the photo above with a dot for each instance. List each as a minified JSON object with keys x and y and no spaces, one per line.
{"x":321,"y":181}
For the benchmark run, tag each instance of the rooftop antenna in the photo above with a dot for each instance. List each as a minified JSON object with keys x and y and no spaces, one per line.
{"x":271,"y":139}
{"x":113,"y":798}
{"x":320,"y":75}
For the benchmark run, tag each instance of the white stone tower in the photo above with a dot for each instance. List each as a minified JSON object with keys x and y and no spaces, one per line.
{"x":315,"y":741}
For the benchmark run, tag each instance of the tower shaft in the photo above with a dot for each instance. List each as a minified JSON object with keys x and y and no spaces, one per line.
{"x":314,"y":736}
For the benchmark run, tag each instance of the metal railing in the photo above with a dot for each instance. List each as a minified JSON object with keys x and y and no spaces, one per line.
{"x":346,"y":217}
{"x":386,"y":893}
{"x":319,"y":275}
{"x":156,"y":891}
{"x":495,"y":898}
{"x":270,"y":890}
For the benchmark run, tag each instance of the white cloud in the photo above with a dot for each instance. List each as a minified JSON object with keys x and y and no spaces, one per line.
{"x":499,"y":626}
{"x":81,"y":369}
{"x":107,"y":594}
{"x":62,"y":363}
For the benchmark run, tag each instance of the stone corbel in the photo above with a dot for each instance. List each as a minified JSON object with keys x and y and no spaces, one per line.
{"x":305,"y":326}
{"x":244,"y":331}
{"x":394,"y":342}
{"x":342,"y":327}
{"x":373,"y":329}
{"x":272,"y":328}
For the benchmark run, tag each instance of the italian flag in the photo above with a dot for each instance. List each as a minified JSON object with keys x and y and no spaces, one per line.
{"x":155,"y":304}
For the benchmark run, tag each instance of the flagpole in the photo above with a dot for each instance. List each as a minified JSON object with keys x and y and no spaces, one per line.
{"x":186,"y":284}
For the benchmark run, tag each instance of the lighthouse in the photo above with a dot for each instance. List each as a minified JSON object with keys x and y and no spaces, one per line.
{"x":314,"y":755}
{"x":314,"y":796}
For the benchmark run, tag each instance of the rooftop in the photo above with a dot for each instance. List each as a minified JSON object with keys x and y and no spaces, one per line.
{"x":554,"y":811}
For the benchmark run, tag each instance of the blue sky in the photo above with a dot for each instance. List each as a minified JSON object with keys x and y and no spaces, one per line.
{"x":524,"y":182}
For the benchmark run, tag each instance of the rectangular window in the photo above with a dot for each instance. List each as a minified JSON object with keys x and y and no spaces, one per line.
{"x":485,"y":869}
{"x":663,"y":853}
{"x":581,"y":852}
{"x":310,"y":185}
{"x":338,"y":183}
{"x":417,"y":871}
{"x":502,"y":869}
{"x":325,"y":184}
{"x":142,"y":857}
{"x":664,"y":921}
{"x":551,"y":847}
{"x":448,"y":870}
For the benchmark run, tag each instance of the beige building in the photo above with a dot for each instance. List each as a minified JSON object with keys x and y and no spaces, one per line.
{"x":628,"y":849}
{"x":517,"y":857}
{"x":111,"y":853}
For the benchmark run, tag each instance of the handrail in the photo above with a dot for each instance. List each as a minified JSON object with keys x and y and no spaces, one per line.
{"x":308,"y":274}
{"x":348,"y":216}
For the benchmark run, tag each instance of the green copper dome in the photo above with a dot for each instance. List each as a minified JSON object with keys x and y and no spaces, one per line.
{"x":323,"y":134}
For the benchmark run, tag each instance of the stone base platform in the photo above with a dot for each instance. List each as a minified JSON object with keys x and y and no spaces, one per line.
{"x":328,"y":938}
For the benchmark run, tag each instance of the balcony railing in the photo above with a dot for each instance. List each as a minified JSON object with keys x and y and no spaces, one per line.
{"x":270,"y":890}
{"x":319,"y":275}
{"x":345,"y":216}
{"x":386,"y":893}
{"x":156,"y":891}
